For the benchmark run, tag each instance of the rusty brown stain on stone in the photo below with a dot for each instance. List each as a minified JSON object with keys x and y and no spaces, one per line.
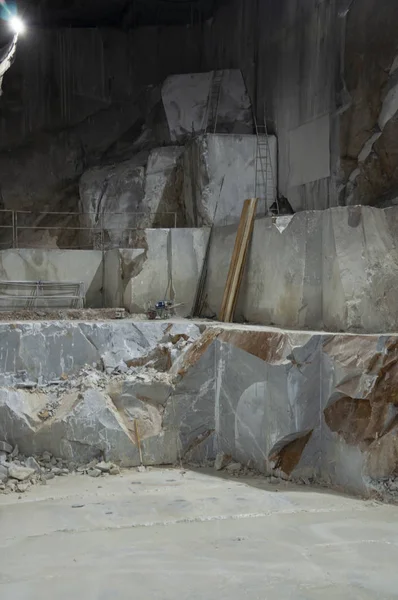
{"x":266,"y":345}
{"x":375,"y":363}
{"x":177,"y":337}
{"x":289,"y":456}
{"x":361,"y":421}
{"x":349,"y":387}
{"x":351,"y":418}
{"x":386,"y":386}
{"x":352,"y":351}
{"x":198,"y":348}
{"x":198,"y":441}
{"x":159,"y":357}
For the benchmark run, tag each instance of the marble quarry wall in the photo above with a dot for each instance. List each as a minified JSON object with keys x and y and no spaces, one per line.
{"x":314,"y":406}
{"x":323,"y":72}
{"x":94,"y":413}
{"x":220,"y":174}
{"x":105,"y":121}
{"x":326,"y":72}
{"x":290,"y":55}
{"x":166,"y":265}
{"x":79,"y":266}
{"x":334,"y":270}
{"x":186,"y":104}
{"x":122,"y":168}
{"x":317,"y":408}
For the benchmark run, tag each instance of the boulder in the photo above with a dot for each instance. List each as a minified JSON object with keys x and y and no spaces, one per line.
{"x":220,"y":173}
{"x":3,"y":473}
{"x":88,"y":426}
{"x":31,"y":463}
{"x":221,"y":461}
{"x":19,"y":472}
{"x":112,"y":199}
{"x":163,"y":188}
{"x":186,"y":100}
{"x":19,"y":418}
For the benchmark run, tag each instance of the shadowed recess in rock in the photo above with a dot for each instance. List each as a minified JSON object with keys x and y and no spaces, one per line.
{"x":286,"y":454}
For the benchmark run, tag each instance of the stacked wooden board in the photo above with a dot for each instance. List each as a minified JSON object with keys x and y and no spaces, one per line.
{"x":238,"y":261}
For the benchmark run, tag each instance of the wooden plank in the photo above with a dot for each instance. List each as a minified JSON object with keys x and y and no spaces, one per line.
{"x":237,"y":245}
{"x":246,"y":252}
{"x":238,"y":260}
{"x":238,"y":242}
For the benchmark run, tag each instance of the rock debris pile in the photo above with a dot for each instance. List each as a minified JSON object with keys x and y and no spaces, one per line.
{"x":116,"y":411}
{"x":18,"y":472}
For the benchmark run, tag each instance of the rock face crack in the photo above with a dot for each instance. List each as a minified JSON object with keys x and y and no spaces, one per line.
{"x":202,"y":437}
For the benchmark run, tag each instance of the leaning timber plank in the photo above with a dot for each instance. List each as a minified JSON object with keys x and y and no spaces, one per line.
{"x":246,"y":252}
{"x":238,"y":242}
{"x":241,"y":261}
{"x":238,"y":260}
{"x":234,"y":259}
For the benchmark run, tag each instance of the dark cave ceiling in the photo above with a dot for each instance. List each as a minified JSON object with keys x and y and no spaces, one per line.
{"x":125,"y":14}
{"x":116,"y":13}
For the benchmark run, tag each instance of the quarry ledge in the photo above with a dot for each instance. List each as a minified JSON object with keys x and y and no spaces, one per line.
{"x":306,"y":406}
{"x":106,"y":316}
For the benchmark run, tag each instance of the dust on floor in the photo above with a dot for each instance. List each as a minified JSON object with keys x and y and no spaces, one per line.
{"x":166,"y":534}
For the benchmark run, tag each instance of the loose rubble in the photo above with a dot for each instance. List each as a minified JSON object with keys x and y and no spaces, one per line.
{"x":18,"y":473}
{"x":224,"y":462}
{"x":124,"y":390}
{"x":4,"y":447}
{"x":385,"y":488}
{"x":70,"y":314}
{"x":146,"y":377}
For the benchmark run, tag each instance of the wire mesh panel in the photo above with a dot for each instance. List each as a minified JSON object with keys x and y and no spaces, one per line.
{"x":27,"y":295}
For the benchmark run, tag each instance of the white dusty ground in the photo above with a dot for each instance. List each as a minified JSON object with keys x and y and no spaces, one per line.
{"x":167,"y":534}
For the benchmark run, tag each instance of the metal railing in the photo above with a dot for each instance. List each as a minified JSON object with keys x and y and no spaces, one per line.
{"x":28,"y":295}
{"x":78,"y":230}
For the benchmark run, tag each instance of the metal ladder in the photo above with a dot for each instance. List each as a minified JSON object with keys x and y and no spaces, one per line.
{"x":264,"y":172}
{"x":214,"y":101}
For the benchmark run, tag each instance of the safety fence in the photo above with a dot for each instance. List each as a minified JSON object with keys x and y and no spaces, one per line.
{"x":77,"y":230}
{"x":30,"y":295}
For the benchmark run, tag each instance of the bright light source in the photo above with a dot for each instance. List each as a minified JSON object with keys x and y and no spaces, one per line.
{"x":17,"y":25}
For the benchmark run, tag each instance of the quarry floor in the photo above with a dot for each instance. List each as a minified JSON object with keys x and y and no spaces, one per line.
{"x":167,"y":534}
